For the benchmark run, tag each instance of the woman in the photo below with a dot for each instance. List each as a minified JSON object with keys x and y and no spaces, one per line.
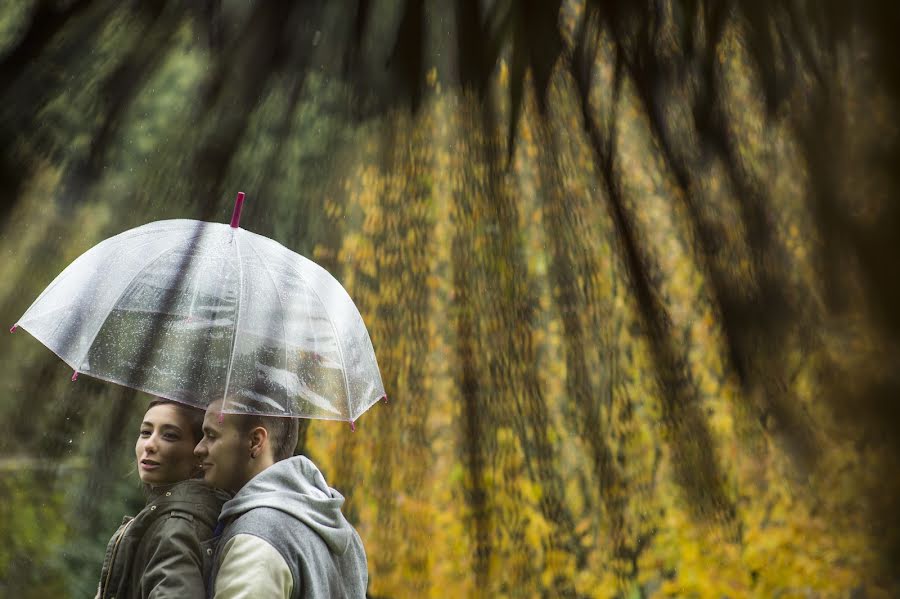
{"x":158,"y":553}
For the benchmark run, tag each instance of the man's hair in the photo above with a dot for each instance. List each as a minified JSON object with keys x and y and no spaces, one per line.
{"x":194,"y":415}
{"x":283,"y":432}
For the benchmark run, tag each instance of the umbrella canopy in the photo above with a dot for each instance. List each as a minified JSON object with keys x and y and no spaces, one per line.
{"x":195,"y":312}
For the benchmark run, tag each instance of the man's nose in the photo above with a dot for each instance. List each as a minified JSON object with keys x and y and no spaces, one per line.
{"x":200,"y":449}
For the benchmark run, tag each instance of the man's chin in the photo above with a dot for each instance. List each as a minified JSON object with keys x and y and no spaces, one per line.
{"x":208,"y":478}
{"x":212,"y":481}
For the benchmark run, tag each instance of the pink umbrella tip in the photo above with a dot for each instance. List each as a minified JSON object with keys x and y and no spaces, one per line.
{"x":384,"y":398}
{"x":75,"y":376}
{"x":236,"y":215}
{"x":13,"y":328}
{"x":352,"y":427}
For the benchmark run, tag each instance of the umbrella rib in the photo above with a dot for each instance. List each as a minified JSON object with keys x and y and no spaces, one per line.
{"x":278,"y":294}
{"x":237,"y":316}
{"x":337,"y":339}
{"x":124,"y":289}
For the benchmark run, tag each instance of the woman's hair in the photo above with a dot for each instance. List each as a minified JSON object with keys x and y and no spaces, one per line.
{"x":194,"y":415}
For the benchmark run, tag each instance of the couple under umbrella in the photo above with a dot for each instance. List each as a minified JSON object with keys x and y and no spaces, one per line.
{"x":236,"y":337}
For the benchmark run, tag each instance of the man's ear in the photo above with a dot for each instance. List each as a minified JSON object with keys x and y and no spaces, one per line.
{"x":259,"y":437}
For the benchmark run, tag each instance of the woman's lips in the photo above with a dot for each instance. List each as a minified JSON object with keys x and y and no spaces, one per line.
{"x":149,"y":465}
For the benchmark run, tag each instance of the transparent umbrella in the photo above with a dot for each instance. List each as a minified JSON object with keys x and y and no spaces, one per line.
{"x":195,"y":311}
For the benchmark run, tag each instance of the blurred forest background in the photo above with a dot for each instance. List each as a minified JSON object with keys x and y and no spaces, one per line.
{"x":629,"y":267}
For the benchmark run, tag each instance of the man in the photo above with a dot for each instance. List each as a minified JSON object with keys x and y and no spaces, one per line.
{"x":283,"y":533}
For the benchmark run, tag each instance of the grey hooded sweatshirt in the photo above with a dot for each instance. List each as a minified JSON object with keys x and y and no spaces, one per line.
{"x":284,"y":535}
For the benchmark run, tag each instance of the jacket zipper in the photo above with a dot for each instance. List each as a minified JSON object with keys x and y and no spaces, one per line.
{"x":112,"y":558}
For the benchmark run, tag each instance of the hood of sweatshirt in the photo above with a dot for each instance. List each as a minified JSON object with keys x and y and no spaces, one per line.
{"x":296,"y":487}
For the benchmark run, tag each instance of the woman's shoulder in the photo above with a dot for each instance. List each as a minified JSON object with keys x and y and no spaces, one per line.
{"x":195,"y":488}
{"x":188,"y":503}
{"x":191,"y":496}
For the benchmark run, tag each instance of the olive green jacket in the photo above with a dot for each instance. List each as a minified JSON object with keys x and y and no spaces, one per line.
{"x":158,"y":553}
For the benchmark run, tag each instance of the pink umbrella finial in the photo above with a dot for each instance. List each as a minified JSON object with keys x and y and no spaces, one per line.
{"x":236,"y":215}
{"x":352,"y":427}
{"x":13,"y":328}
{"x":75,"y":376}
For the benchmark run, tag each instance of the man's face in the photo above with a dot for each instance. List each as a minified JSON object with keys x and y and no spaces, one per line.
{"x":224,"y":451}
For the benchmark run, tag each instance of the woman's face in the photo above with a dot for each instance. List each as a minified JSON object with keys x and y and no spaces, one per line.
{"x":165,"y":446}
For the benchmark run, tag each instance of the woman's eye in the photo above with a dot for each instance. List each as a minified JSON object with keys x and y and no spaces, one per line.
{"x":144,"y":434}
{"x":170,"y":437}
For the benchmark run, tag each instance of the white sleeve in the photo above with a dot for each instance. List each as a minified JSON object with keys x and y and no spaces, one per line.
{"x":252,"y":568}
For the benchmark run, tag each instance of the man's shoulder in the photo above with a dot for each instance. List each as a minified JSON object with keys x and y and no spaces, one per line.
{"x":288,"y":536}
{"x":270,"y":524}
{"x":258,"y":518}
